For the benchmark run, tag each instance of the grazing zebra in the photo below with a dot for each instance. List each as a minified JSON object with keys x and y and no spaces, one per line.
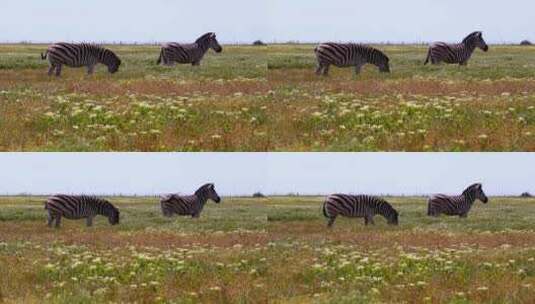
{"x":349,"y":54}
{"x":365,"y":206}
{"x":456,"y":205}
{"x":193,"y":53}
{"x":75,"y":207}
{"x":190,"y":204}
{"x":79,"y":55}
{"x":456,"y":53}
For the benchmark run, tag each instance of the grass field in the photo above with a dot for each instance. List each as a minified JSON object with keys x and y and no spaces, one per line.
{"x":268,"y":99}
{"x":274,"y":250}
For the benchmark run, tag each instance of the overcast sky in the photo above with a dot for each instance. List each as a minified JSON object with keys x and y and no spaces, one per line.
{"x":270,"y":20}
{"x":271,"y":173}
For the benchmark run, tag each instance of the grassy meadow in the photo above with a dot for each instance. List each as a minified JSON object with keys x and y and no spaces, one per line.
{"x":269,"y":250}
{"x":269,"y":99}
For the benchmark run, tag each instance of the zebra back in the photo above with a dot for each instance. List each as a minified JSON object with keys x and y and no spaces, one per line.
{"x":81,"y":54}
{"x":359,"y":206}
{"x":456,"y":205}
{"x":81,"y":206}
{"x":190,"y":204}
{"x":348,"y":54}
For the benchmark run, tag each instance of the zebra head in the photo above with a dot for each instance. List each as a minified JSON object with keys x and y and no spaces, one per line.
{"x":475,"y":39}
{"x":384,"y":67}
{"x":476,"y":192}
{"x":392,"y":216}
{"x":115,"y":62}
{"x":113,"y":214}
{"x":381,"y":61}
{"x":208,"y":191}
{"x":210,"y":42}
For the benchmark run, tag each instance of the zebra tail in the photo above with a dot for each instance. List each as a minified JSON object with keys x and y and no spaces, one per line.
{"x":43,"y":56}
{"x":325,"y":210}
{"x":159,"y":58}
{"x":428,"y":57}
{"x":46,"y":205}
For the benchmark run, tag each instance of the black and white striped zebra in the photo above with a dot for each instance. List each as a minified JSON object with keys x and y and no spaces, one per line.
{"x":365,"y":206}
{"x":78,"y":55}
{"x":456,"y":205}
{"x":193,"y":53}
{"x":349,"y":54}
{"x":191,"y":205}
{"x":456,"y":53}
{"x":76,"y":207}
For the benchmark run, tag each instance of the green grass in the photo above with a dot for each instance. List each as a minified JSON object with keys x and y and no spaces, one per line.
{"x":275,"y":249}
{"x":269,"y":99}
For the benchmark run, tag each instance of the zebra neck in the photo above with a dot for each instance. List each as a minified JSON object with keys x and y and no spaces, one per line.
{"x":470,"y":46}
{"x":203,"y":46}
{"x":202,"y":199}
{"x":470,"y":197}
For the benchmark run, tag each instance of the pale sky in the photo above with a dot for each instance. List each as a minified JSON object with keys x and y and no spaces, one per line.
{"x":269,"y":20}
{"x":270,"y":173}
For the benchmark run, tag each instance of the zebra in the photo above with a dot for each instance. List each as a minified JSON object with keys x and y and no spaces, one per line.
{"x":79,"y":206}
{"x":78,"y":55}
{"x":189,"y":205}
{"x":349,"y":54}
{"x":456,"y":205}
{"x":365,"y":206}
{"x":456,"y":53}
{"x":193,"y":53}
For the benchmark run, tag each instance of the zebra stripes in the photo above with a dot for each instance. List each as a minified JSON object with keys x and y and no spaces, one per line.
{"x":193,"y":53}
{"x":189,"y":205}
{"x":456,"y":53}
{"x":349,"y":54}
{"x":79,"y":206}
{"x":456,"y":205}
{"x":79,"y":55}
{"x":365,"y":206}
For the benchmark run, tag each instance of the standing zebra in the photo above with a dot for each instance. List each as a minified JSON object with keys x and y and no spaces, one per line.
{"x":456,"y":205}
{"x":190,"y":204}
{"x":349,"y":54}
{"x":365,"y":206}
{"x":456,"y":53}
{"x":193,"y":53}
{"x":75,"y":207}
{"x":78,"y":55}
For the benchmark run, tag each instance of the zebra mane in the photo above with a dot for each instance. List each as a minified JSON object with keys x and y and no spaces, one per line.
{"x":205,"y":37}
{"x":470,"y":189}
{"x":376,"y":53}
{"x":386,"y":205}
{"x":471,"y":36}
{"x":203,"y":188}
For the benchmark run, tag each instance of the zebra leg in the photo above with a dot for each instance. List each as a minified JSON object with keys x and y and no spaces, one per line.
{"x":319,"y":67}
{"x":358,"y":68}
{"x":89,"y":221}
{"x":58,"y":70}
{"x":331,"y":222}
{"x":325,"y":71}
{"x":50,"y":220}
{"x":58,"y":221}
{"x":51,"y":70}
{"x":90,"y":69}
